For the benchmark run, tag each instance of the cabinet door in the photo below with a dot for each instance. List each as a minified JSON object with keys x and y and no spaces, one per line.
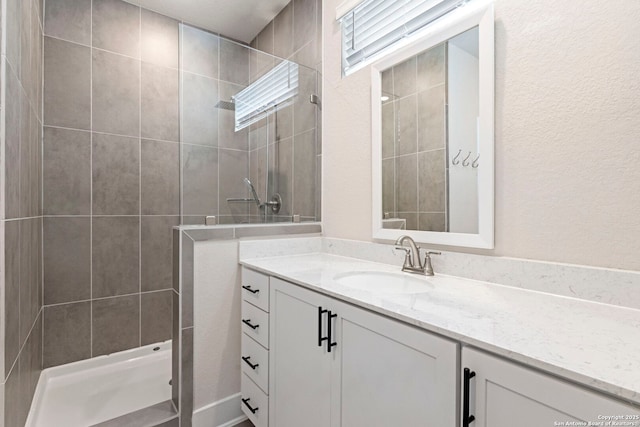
{"x":300,"y":380}
{"x":392,"y":374}
{"x":507,"y":394}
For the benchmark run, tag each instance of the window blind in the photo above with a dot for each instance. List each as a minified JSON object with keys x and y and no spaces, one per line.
{"x":375,"y":25}
{"x":271,"y":90}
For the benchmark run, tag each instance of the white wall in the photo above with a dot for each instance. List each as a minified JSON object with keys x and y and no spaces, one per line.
{"x":567,"y":133}
{"x":216,"y":298}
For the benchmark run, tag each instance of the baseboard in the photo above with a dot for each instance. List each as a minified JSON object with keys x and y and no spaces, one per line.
{"x":223,"y":413}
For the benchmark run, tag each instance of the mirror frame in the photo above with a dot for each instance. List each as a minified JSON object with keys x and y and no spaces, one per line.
{"x":474,"y":14}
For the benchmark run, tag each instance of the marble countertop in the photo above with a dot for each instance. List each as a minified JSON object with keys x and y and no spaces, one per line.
{"x":590,"y":343}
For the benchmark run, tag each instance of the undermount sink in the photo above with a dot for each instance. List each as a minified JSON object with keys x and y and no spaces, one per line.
{"x":388,"y":283}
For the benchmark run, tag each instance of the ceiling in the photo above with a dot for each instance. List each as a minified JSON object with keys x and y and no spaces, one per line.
{"x":238,"y":19}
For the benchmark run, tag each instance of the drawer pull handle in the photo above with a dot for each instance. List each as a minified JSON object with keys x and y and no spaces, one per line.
{"x":253,"y":291}
{"x":249,"y":324}
{"x":246,"y":403}
{"x":321,"y":311}
{"x":246,"y":359}
{"x":330,"y":342}
{"x":466,"y":418}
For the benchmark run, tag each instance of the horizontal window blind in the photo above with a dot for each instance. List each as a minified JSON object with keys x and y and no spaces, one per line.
{"x":273,"y":89}
{"x":375,"y":25}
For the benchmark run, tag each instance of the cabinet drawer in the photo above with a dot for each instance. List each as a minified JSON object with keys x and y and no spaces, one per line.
{"x":255,"y":323}
{"x":255,"y":288}
{"x":257,"y":399}
{"x":254,"y":353}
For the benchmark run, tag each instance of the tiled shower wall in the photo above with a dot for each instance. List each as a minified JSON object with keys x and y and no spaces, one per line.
{"x":215,"y":157}
{"x":21,"y":208}
{"x":285,"y":150}
{"x":414,"y":141}
{"x":111,"y":177}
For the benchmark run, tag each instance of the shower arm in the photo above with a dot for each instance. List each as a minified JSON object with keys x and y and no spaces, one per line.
{"x":275,"y":203}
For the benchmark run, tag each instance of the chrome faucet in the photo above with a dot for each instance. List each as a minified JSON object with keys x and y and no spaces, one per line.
{"x":412,"y":253}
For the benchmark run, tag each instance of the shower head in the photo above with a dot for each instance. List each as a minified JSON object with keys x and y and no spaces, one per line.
{"x":254,"y":195}
{"x":226,"y":105}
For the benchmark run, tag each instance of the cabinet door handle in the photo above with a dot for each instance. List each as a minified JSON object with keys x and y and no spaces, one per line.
{"x":249,"y":324}
{"x":320,"y":337}
{"x":330,"y":342}
{"x":246,"y":359}
{"x":248,"y":288}
{"x":466,"y":418}
{"x":246,"y":403}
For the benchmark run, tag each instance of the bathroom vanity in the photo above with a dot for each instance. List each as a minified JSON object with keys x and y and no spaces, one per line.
{"x":319,"y":349}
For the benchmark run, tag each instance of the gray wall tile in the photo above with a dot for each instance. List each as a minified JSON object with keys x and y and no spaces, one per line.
{"x":186,"y":411}
{"x":431,"y":118}
{"x":431,"y":67}
{"x":432,"y":222}
{"x":187,"y":281}
{"x":12,"y":293}
{"x":283,"y":32}
{"x":404,"y":78}
{"x":115,"y":256}
{"x":281,"y":173}
{"x":12,"y":145}
{"x":115,"y":324}
{"x":160,"y":103}
{"x":160,"y":39}
{"x":30,"y":367}
{"x":234,"y":167}
{"x":12,"y":398}
{"x":69,"y":20}
{"x":116,"y":27}
{"x":304,"y":112}
{"x":116,"y":175}
{"x":234,"y":62}
{"x":406,"y":183}
{"x":13,"y":29}
{"x":67,"y":91}
{"x":115,"y":93}
{"x":156,"y":316}
{"x":199,"y":180}
{"x":304,"y":158}
{"x":67,"y":172}
{"x":407,"y":134}
{"x":388,"y":187}
{"x":227,"y":135}
{"x":388,"y":130}
{"x":199,"y":113}
{"x":67,"y":259}
{"x":157,"y":252}
{"x":200,"y":51}
{"x":29,"y":266}
{"x":304,"y":22}
{"x":67,"y":333}
{"x":432,"y":178}
{"x":25,"y":156}
{"x":160,"y":178}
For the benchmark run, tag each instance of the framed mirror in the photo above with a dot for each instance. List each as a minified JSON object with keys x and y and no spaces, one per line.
{"x":433,"y":142}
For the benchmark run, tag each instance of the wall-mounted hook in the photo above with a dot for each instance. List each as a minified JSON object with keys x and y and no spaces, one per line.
{"x":465,"y":162}
{"x":455,"y":160}
{"x":475,"y":163}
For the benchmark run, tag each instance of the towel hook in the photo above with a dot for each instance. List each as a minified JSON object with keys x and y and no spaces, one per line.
{"x":455,"y":160}
{"x":475,"y":163}
{"x":465,"y":162}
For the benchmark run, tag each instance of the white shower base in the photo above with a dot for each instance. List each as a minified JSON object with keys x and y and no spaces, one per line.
{"x":92,"y":391}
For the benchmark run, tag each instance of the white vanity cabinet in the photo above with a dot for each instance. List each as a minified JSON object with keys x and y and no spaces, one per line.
{"x":333,"y":364}
{"x":504,"y":394}
{"x":254,"y":361}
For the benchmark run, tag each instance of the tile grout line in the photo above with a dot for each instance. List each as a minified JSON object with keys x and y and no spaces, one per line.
{"x":105,"y":298}
{"x":90,"y":186}
{"x":140,"y":179}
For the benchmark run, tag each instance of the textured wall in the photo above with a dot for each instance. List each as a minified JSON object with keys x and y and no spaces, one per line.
{"x":20,"y":207}
{"x":567,"y":129}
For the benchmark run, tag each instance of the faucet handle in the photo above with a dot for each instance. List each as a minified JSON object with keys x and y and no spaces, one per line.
{"x":408,"y":261}
{"x":434,"y":253}
{"x":427,"y":267}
